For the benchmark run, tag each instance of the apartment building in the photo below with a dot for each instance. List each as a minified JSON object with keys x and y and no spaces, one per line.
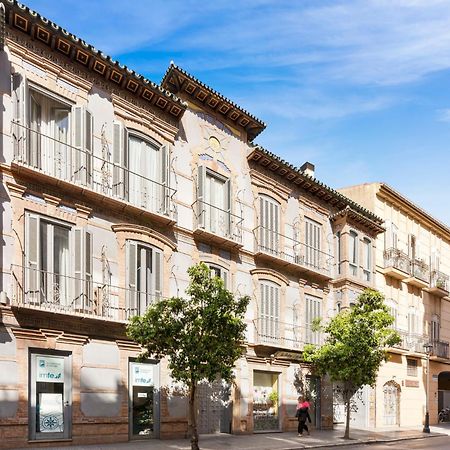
{"x":412,"y":271}
{"x":112,"y":186}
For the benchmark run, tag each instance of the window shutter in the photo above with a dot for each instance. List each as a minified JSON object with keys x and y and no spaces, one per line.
{"x":157,"y":273}
{"x":88,"y":268}
{"x":32,"y":274}
{"x":78,"y":301}
{"x":131,"y":277}
{"x":201,"y":183}
{"x":227,"y":206}
{"x":388,"y":235}
{"x":165,"y":179}
{"x":225,"y":278}
{"x":21,"y":114}
{"x":120,"y":151}
{"x":82,"y":139}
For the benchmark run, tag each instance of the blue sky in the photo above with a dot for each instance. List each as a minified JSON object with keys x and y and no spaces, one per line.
{"x":359,"y":88}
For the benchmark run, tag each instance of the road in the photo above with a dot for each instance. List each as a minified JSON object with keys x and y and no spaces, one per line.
{"x":437,"y":443}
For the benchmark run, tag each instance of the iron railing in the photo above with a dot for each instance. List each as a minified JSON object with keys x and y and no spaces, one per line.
{"x":440,"y":348}
{"x":413,"y":342}
{"x":71,"y":295}
{"x":397,"y":259}
{"x":439,"y":280}
{"x":420,"y":270}
{"x":217,"y":221}
{"x":291,"y":250}
{"x":78,"y":166}
{"x":275,"y":333}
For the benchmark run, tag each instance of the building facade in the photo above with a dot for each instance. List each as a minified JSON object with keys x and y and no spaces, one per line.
{"x":112,"y":186}
{"x":412,"y":271}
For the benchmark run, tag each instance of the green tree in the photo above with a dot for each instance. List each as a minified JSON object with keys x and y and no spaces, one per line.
{"x":356,"y":344}
{"x":202,"y":336}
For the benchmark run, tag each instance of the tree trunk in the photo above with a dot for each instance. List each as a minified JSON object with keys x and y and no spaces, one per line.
{"x":193,"y":417}
{"x":347,"y":419}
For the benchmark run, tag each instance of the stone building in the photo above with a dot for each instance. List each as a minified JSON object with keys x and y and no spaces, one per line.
{"x":412,"y":271}
{"x":112,"y":186}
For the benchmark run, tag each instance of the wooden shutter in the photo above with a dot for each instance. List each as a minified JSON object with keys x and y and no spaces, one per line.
{"x":157,"y":274}
{"x":165,"y":180}
{"x":131,"y":277}
{"x":227,"y":206}
{"x":201,"y":207}
{"x":78,"y":269}
{"x":120,"y":153}
{"x":312,"y":312}
{"x":88,"y":269}
{"x":21,"y":112}
{"x":82,"y":264}
{"x":82,"y":138}
{"x":269,"y":225}
{"x":32,"y":269}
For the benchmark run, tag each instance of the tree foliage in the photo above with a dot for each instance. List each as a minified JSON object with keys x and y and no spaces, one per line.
{"x":201,"y":336}
{"x":356,"y":344}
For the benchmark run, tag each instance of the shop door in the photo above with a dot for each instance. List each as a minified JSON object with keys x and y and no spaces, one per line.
{"x":266,"y":411}
{"x":391,"y":393}
{"x":50,"y":415}
{"x":144,"y":400}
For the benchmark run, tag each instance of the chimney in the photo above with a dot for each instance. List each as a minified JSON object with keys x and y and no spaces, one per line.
{"x":308,"y":169}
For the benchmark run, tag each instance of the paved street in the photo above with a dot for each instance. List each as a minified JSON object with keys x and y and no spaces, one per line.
{"x":437,"y":443}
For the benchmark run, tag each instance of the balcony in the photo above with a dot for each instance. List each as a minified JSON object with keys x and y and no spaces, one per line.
{"x":288,"y":252}
{"x":396,"y":264}
{"x":62,"y":294}
{"x":275,"y":334}
{"x":439,"y":284}
{"x":80,"y":172}
{"x":419,"y":274}
{"x":215,"y":225}
{"x":412,"y":342}
{"x":440,"y":349}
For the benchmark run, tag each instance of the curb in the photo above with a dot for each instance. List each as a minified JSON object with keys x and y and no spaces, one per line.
{"x":365,"y":442}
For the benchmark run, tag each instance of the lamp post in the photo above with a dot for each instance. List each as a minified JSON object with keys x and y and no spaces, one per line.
{"x":428,"y":349}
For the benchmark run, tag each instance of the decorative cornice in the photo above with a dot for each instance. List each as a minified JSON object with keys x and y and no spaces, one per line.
{"x":140,"y":229}
{"x":16,"y":190}
{"x":313,"y":186}
{"x":74,"y":339}
{"x":270,"y":272}
{"x":181,"y":82}
{"x":128,"y":345}
{"x":37,"y":27}
{"x":359,"y":218}
{"x":29,"y":334}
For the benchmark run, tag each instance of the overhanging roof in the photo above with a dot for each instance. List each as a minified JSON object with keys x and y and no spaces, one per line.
{"x":22,"y":18}
{"x":315,"y":187}
{"x":180,"y":82}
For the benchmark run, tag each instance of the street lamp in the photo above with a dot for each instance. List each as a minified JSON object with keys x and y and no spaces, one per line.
{"x":428,"y":349}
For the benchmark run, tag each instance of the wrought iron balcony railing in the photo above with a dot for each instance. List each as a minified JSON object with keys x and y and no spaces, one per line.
{"x":420,"y":270}
{"x":440,"y":348}
{"x":65,"y":294}
{"x":413,"y":342}
{"x":77,"y":166}
{"x":215,"y":220}
{"x":274,"y":333}
{"x":397,"y":259}
{"x":439,"y":280}
{"x":291,"y":250}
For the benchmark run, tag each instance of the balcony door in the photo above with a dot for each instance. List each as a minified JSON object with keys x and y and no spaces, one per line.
{"x":313,"y":231}
{"x":269,"y":225}
{"x":269,"y":312}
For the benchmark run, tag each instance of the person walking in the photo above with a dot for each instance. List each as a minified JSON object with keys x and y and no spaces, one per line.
{"x":302,"y":415}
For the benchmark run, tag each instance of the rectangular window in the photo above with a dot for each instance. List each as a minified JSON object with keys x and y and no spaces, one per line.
{"x":367,"y":259}
{"x":58,"y":265}
{"x":353,"y":253}
{"x":313,"y":231}
{"x":312,"y":312}
{"x":144,"y":277}
{"x":219,"y":272}
{"x":269,"y":225}
{"x":435,"y":329}
{"x":411,"y":367}
{"x":269,"y":312}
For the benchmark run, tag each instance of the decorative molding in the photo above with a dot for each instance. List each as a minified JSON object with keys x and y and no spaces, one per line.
{"x":270,"y":273}
{"x":83,"y":211}
{"x":74,"y":339}
{"x":51,"y":199}
{"x":28,"y":334}
{"x":128,"y":345}
{"x":16,"y":190}
{"x":142,"y":230}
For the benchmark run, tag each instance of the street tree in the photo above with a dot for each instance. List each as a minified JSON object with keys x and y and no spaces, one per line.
{"x":202,"y":336}
{"x":356,"y":344}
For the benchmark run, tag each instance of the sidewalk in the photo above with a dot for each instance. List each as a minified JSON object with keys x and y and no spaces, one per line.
{"x":274,"y":441}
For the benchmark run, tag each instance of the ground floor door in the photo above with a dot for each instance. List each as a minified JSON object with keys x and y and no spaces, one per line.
{"x":50,"y":395}
{"x":266,"y":407}
{"x":144,"y":400}
{"x":214,"y":407}
{"x":391,"y":406}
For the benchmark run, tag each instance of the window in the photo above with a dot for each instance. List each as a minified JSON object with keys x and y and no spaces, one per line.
{"x":390,"y":236}
{"x":220,"y":272}
{"x":313,"y":231}
{"x":353,"y":253}
{"x":140,"y":170}
{"x":58,"y":264}
{"x":144,"y":272}
{"x":339,"y":251}
{"x":51,"y":134}
{"x":312,"y":312}
{"x":269,"y":225}
{"x":393,"y":310}
{"x":367,"y":259}
{"x":435,"y":328}
{"x":413,"y":321}
{"x":269,"y":311}
{"x":338,"y":307}
{"x":412,"y":247}
{"x":214,"y":202}
{"x":411,"y":367}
